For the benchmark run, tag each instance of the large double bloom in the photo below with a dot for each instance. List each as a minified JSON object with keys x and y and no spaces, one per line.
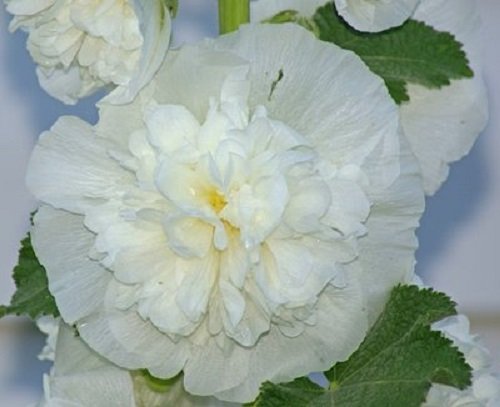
{"x":242,"y":220}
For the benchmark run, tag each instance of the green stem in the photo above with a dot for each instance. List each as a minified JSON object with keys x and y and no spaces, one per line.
{"x":233,"y":13}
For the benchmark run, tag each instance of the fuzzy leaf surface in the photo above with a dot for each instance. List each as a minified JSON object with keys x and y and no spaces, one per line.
{"x":32,"y":297}
{"x":411,"y":53}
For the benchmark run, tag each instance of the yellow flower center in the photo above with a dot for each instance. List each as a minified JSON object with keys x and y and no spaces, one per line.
{"x":216,"y":200}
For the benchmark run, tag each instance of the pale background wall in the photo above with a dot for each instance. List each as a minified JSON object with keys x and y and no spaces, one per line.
{"x":459,"y":236}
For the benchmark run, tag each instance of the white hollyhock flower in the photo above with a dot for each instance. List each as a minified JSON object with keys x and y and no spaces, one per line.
{"x":364,"y":15}
{"x":441,"y":125}
{"x":242,"y":220}
{"x":81,"y":46}
{"x":81,"y":378}
{"x":485,"y":389}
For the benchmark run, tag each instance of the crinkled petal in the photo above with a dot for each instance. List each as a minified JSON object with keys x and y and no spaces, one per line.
{"x":342,"y":127}
{"x":62,"y":245}
{"x":130,"y":341}
{"x":375,"y":15}
{"x":156,"y":27}
{"x":387,"y":252}
{"x":65,"y":85}
{"x":340,"y":326}
{"x":71,"y":164}
{"x":82,"y":378}
{"x":442,"y":125}
{"x":28,"y":7}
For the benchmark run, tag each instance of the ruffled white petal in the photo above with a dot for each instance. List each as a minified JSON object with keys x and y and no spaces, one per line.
{"x":50,"y":327}
{"x":66,"y":85}
{"x":387,"y":252}
{"x":81,"y":168}
{"x":155,"y":21}
{"x":82,"y":378}
{"x":333,"y":334}
{"x":63,"y":246}
{"x":442,"y":125}
{"x":375,"y":15}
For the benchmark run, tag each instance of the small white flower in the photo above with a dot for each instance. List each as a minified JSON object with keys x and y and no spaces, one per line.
{"x":243,"y":220}
{"x":81,"y":46}
{"x":375,"y":15}
{"x":485,"y":389}
{"x":50,"y":327}
{"x":363,"y":15}
{"x":441,"y":125}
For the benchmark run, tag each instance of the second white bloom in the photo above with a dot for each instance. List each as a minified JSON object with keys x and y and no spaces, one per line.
{"x":81,"y":46}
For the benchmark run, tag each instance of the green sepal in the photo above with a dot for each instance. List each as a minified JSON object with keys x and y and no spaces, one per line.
{"x":172,"y":6}
{"x":293,"y":16}
{"x":154,"y":383}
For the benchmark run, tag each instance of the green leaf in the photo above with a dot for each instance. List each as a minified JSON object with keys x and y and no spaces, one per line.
{"x":411,"y":53}
{"x":394,"y":366}
{"x":32,"y":297}
{"x":300,"y":392}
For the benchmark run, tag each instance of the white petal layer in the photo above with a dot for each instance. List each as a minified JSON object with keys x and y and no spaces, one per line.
{"x":155,"y":24}
{"x":63,"y":246}
{"x":375,"y":15}
{"x":81,"y":167}
{"x":82,"y":378}
{"x":387,"y":252}
{"x":332,"y":336}
{"x":442,"y":125}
